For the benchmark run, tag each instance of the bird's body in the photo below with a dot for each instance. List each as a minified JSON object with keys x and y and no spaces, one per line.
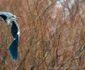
{"x":9,"y":18}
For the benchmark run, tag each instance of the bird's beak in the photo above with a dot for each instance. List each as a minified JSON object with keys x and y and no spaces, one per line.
{"x":15,"y":18}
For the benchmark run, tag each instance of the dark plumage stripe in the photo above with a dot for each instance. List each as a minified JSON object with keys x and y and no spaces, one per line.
{"x":14,"y":29}
{"x":14,"y":48}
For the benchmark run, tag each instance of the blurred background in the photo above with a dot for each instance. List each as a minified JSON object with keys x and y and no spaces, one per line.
{"x":52,"y":35}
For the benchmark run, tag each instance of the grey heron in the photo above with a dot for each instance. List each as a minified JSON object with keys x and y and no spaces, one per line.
{"x":9,"y":18}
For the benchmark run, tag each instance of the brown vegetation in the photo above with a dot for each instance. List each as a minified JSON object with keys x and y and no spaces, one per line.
{"x":48,"y":41}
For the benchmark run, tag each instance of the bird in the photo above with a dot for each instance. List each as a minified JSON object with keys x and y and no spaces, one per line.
{"x":10,"y":18}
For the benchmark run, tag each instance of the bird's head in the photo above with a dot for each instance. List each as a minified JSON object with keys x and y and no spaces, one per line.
{"x":8,"y":17}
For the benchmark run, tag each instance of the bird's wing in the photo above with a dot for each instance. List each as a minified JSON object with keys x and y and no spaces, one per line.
{"x":14,"y":29}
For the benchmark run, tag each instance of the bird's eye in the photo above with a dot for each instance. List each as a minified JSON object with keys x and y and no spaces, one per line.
{"x":12,"y":16}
